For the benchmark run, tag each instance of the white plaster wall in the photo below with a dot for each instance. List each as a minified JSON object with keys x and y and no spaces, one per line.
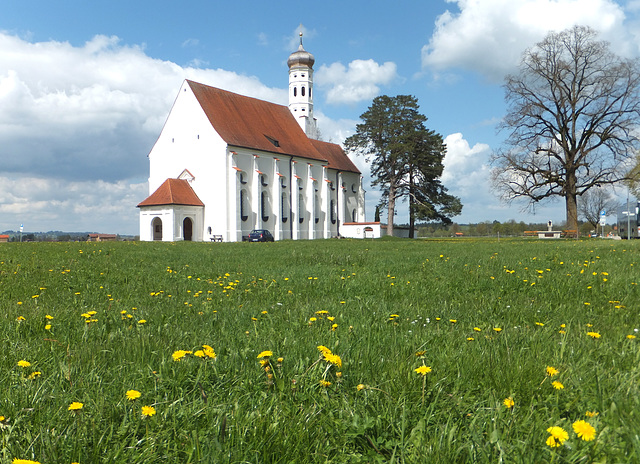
{"x":188,"y":141}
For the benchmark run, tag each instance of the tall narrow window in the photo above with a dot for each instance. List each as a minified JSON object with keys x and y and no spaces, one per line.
{"x":295,"y":91}
{"x":243,"y":206}
{"x":302,"y":91}
{"x":284,"y":207}
{"x":333,"y":211}
{"x":264,"y":206}
{"x":301,"y":211}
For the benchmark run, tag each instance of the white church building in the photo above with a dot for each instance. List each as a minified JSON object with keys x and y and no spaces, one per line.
{"x":225,"y":164}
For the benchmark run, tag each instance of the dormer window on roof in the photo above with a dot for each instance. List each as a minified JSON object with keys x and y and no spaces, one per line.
{"x":273,"y":141}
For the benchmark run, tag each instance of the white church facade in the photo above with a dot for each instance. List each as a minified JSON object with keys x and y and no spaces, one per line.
{"x":225,"y":164}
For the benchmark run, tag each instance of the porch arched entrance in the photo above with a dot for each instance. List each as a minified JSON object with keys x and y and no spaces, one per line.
{"x":187,"y":229}
{"x":156,"y":227}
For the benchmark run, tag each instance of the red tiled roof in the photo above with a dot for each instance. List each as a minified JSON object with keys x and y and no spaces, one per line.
{"x":256,"y":124}
{"x":336,"y":156}
{"x":173,"y":192}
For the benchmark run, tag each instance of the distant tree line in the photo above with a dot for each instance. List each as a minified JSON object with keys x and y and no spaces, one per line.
{"x":509,"y":228}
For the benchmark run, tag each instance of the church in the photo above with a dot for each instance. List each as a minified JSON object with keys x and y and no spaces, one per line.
{"x":225,"y":164}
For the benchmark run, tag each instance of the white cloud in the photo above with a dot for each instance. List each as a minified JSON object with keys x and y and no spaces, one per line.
{"x":489,"y":36}
{"x":360,"y":80}
{"x":87,"y":114}
{"x":44,"y":204}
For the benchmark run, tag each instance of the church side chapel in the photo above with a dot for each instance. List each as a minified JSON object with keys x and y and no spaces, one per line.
{"x":225,"y":164}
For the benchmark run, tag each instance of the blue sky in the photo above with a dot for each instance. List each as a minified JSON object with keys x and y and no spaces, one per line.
{"x":86,"y":86}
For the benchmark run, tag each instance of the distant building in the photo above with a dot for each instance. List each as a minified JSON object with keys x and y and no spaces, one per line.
{"x":102,"y":238}
{"x":360,"y":230}
{"x":225,"y":164}
{"x":4,"y":238}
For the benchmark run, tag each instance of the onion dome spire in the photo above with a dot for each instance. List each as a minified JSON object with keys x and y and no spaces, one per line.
{"x":301,"y":57}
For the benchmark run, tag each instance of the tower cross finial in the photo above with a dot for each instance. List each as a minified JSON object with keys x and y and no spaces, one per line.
{"x":301,"y":34}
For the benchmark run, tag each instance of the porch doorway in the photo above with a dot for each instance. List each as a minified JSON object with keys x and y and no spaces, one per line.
{"x":156,"y":227}
{"x":187,"y":229}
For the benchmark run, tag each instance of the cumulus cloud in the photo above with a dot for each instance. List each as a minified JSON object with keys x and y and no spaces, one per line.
{"x":360,"y":80}
{"x":489,"y":36}
{"x":43,"y":204}
{"x":88,"y":114}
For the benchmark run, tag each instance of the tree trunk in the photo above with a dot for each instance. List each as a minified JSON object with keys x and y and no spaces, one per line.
{"x":412,"y":214}
{"x":571,"y":201}
{"x":391,"y":209}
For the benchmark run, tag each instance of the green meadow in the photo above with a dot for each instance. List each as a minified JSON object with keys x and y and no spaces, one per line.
{"x":336,"y":351}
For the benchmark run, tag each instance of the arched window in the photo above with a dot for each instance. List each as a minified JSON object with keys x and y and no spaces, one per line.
{"x":301,"y":208}
{"x":243,"y":205}
{"x":332,"y":207}
{"x":353,"y":215}
{"x":264,"y":205}
{"x":242,"y":177}
{"x":302,"y":91}
{"x":295,"y":91}
{"x":284,"y":207}
{"x":316,"y":208}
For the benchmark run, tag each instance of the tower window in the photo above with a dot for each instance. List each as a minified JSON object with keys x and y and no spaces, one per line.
{"x":301,"y":75}
{"x":302,"y":91}
{"x":295,"y":91}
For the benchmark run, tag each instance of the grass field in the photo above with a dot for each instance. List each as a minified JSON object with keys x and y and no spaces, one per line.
{"x":322,"y":351}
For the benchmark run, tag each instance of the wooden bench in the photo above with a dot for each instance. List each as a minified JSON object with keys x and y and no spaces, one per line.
{"x":570,"y":233}
{"x":216,"y":238}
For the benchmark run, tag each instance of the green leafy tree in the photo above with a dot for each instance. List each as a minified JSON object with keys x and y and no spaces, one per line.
{"x":406,"y":159}
{"x":573,"y":111}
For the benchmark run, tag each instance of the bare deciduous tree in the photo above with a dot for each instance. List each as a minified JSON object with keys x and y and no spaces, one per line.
{"x":573,"y":111}
{"x":594,"y":201}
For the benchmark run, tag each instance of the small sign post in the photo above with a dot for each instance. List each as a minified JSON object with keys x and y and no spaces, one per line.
{"x":21,"y":230}
{"x":603,"y":220}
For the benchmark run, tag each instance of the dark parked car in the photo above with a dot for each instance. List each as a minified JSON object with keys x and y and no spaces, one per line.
{"x":260,"y":235}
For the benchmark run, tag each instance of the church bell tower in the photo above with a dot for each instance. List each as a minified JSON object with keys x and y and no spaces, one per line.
{"x":301,"y":89}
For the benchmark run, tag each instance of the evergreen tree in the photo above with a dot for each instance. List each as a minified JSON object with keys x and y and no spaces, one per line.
{"x":406,"y":159}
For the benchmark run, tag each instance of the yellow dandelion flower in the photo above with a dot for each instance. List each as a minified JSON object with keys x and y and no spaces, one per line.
{"x":280,"y":360}
{"x":265,"y":354}
{"x":333,"y":359}
{"x":584,"y":430}
{"x":591,"y":413}
{"x":325,"y":383}
{"x":23,"y":363}
{"x":557,"y":385}
{"x":477,"y":329}
{"x":264,"y":362}
{"x":179,"y":354}
{"x":34,"y":375}
{"x":199,"y":353}
{"x":148,"y":411}
{"x":508,"y":403}
{"x":558,"y":436}
{"x":75,"y":406}
{"x":631,"y":337}
{"x":470,"y":339}
{"x":420,"y":353}
{"x":453,"y":321}
{"x":551,"y":371}
{"x":24,"y":461}
{"x":423,"y":370}
{"x":361,"y":386}
{"x":133,"y":395}
{"x":594,"y":334}
{"x":323,"y":349}
{"x":47,"y":327}
{"x":497,"y":329}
